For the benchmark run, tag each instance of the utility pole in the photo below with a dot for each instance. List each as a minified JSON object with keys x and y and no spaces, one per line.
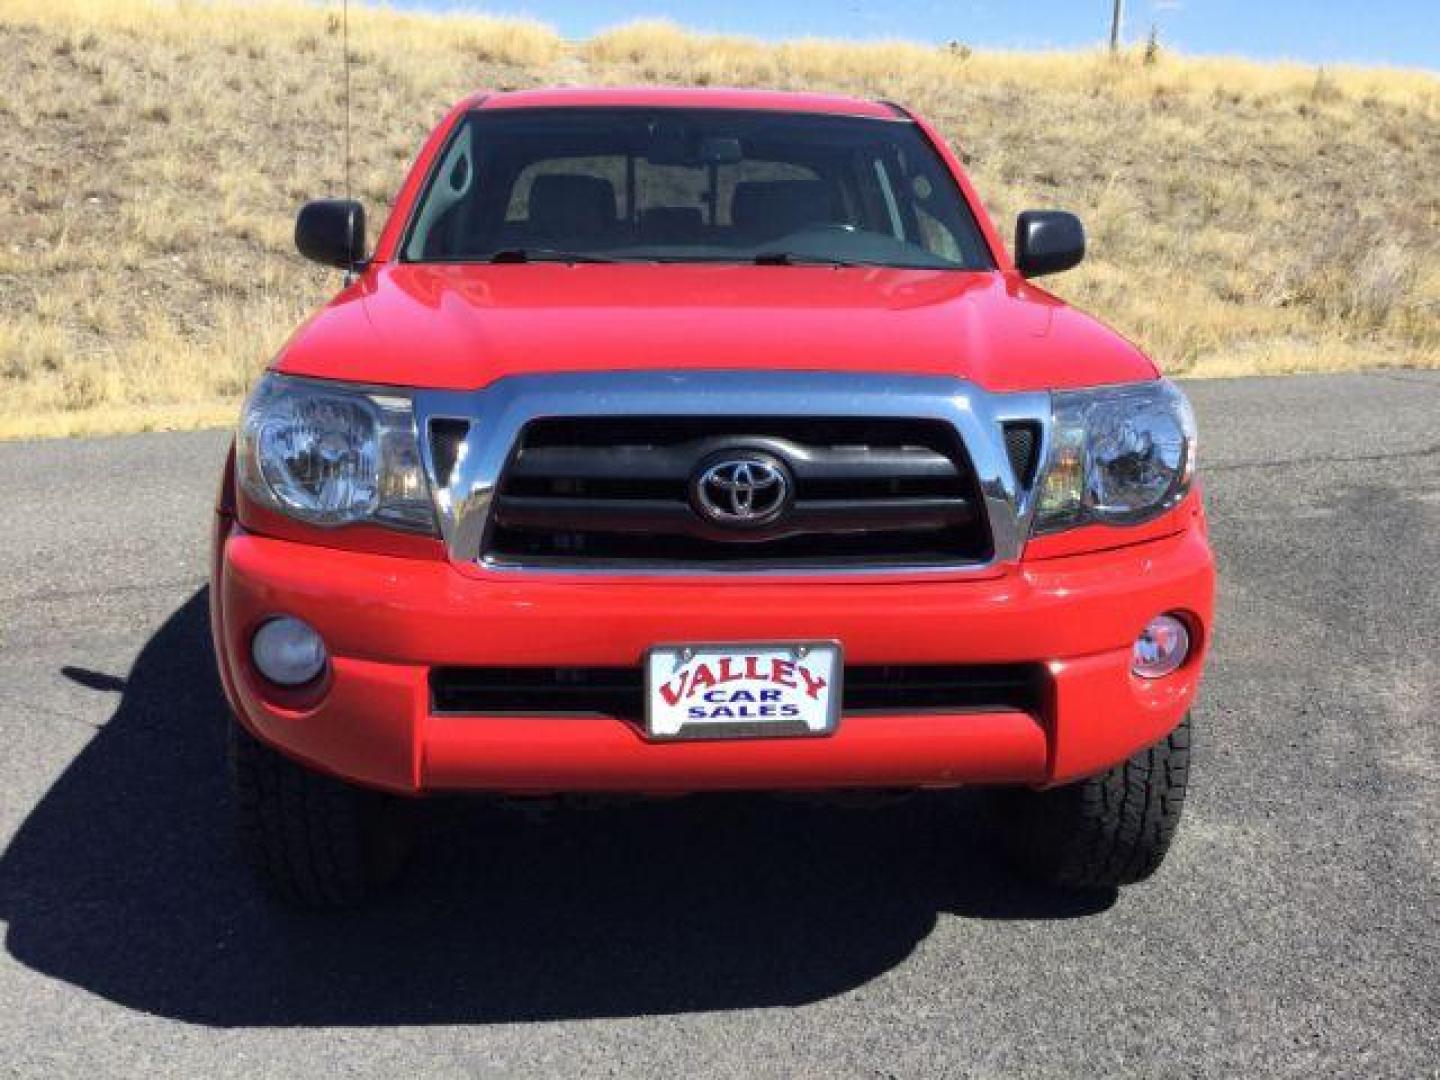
{"x":1116,"y":21}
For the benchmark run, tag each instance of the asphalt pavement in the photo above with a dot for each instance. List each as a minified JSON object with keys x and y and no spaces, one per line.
{"x":1293,"y":932}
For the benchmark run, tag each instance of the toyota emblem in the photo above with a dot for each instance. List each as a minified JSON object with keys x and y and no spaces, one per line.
{"x":741,"y":489}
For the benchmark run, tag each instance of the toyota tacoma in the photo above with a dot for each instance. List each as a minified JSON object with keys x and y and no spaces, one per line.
{"x":673,"y":441}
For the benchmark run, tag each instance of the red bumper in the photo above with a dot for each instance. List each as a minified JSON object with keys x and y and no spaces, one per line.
{"x":388,"y":620}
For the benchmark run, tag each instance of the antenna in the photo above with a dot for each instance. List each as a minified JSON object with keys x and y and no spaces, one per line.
{"x":345,"y":66}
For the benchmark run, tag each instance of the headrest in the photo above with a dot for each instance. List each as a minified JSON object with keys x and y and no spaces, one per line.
{"x":570,"y":204}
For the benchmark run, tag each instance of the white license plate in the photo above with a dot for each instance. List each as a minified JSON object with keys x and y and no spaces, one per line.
{"x":742,"y":691}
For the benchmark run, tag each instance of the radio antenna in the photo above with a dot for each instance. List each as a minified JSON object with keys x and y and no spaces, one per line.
{"x":345,"y":66}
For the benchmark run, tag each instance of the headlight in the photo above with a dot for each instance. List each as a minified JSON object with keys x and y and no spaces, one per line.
{"x":328,"y":454}
{"x":1118,"y":455}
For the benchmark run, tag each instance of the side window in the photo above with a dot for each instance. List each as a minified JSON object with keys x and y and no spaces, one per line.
{"x":454,"y":181}
{"x":936,"y":235}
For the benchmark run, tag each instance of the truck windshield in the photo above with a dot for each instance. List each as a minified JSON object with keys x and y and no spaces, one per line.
{"x":692,"y":185}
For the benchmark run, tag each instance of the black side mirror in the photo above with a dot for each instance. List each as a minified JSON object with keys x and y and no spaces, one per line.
{"x":332,"y":232}
{"x":1048,"y":241}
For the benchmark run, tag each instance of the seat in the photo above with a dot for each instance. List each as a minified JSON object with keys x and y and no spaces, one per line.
{"x":671,"y":225}
{"x":570,"y":208}
{"x":766,"y":209}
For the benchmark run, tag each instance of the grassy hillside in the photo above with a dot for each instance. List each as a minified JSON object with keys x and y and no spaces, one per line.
{"x":1243,"y":217}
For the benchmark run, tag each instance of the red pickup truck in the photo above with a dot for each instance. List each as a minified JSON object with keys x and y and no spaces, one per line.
{"x":672,"y":441}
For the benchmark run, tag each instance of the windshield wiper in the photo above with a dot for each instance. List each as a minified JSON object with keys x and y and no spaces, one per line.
{"x":792,"y":258}
{"x":523,"y":255}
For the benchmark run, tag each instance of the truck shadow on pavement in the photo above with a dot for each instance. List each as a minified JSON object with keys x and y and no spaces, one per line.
{"x":123,"y":881}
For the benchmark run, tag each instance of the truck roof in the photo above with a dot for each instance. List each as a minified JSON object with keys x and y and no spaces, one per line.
{"x":683,"y":97}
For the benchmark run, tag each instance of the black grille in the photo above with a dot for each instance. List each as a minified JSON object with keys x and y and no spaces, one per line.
{"x":1022,"y":446}
{"x":616,"y":491}
{"x":539,"y":691}
{"x":446,"y":438}
{"x":620,"y":692}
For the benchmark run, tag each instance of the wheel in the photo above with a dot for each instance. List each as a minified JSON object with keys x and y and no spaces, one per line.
{"x":314,"y":841}
{"x":1109,"y":830}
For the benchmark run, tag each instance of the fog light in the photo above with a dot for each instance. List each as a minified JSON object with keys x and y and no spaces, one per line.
{"x":1161,"y":647}
{"x":288,"y":652}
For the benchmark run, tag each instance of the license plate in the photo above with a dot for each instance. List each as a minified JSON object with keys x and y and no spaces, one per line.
{"x":742,"y":691}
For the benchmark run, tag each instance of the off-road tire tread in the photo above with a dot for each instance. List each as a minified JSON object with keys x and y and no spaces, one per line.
{"x":311,"y":839}
{"x":1109,"y":830}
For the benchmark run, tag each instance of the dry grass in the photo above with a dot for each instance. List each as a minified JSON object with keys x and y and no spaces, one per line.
{"x":1244,"y":217}
{"x":661,"y":51}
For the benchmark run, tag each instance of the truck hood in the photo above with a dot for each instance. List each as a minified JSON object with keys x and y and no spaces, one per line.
{"x":462,"y":327}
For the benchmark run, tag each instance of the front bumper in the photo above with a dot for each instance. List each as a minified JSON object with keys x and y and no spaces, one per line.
{"x":388,"y":620}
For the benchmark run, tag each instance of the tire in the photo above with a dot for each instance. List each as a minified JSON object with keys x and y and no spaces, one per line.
{"x":314,"y":841}
{"x":1109,"y":830}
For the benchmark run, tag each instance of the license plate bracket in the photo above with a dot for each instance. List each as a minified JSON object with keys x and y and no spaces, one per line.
{"x":743,"y":690}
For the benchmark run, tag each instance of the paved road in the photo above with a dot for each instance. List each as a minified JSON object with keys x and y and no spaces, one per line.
{"x":1293,"y":932}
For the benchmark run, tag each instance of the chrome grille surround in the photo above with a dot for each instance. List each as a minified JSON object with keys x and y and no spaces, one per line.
{"x":497,"y":415}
